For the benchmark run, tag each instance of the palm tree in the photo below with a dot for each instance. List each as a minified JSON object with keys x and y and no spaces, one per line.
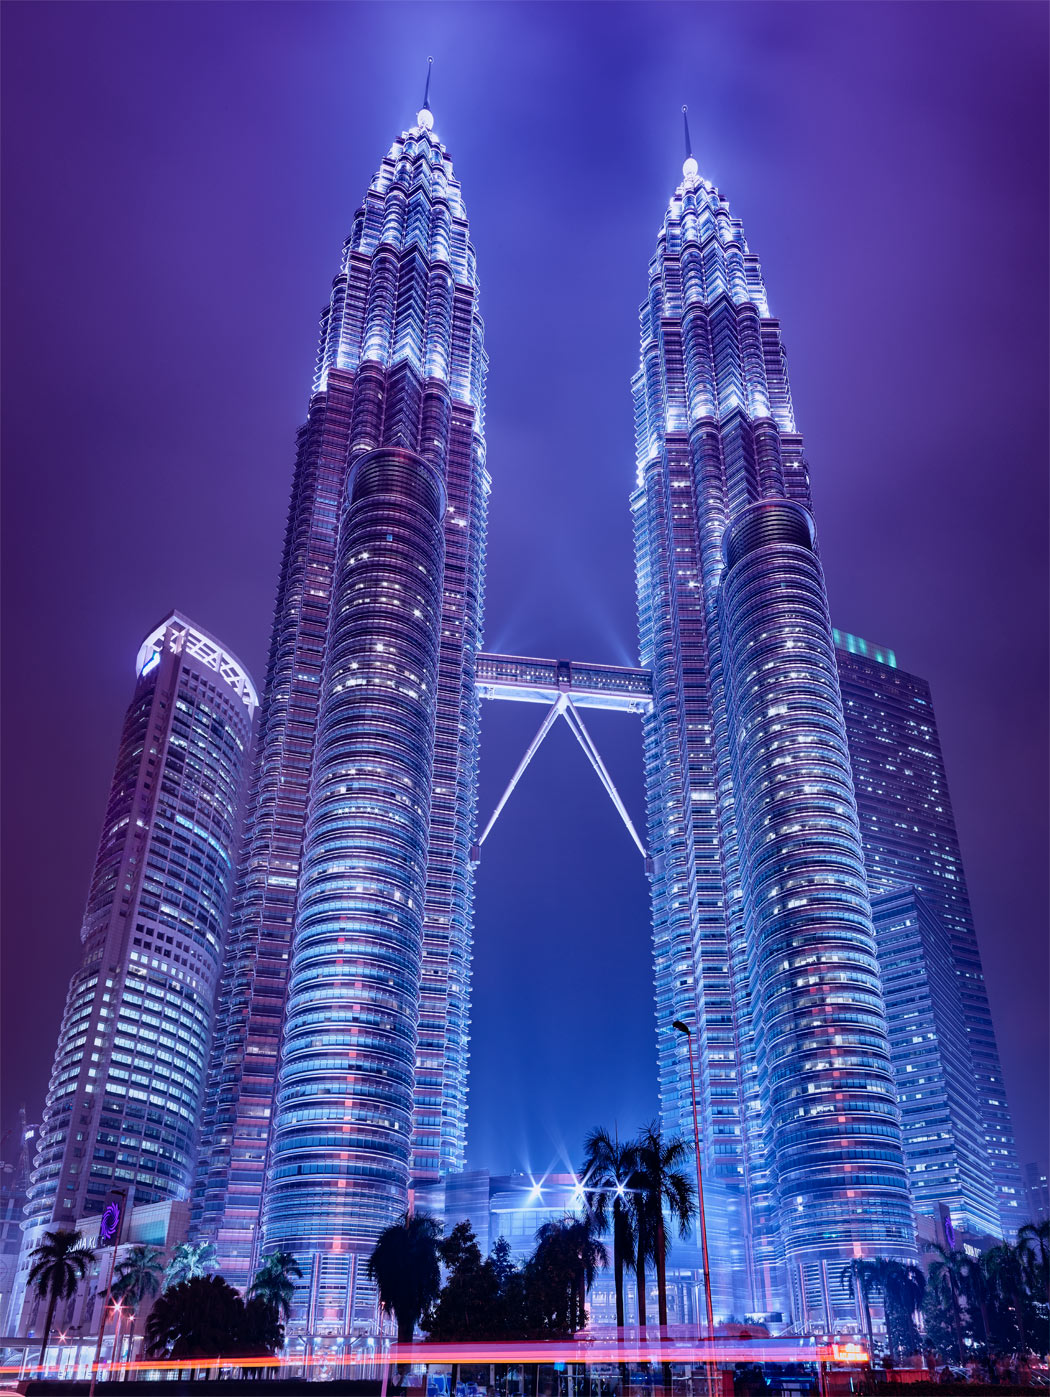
{"x":551,"y":1284}
{"x":61,"y":1263}
{"x":587,"y":1254}
{"x":903,"y":1286}
{"x":554,"y":1258}
{"x":1004,"y":1267}
{"x":404,"y":1265}
{"x":663,"y":1188}
{"x":137,"y":1278}
{"x":564,"y":1264}
{"x":859,"y":1276}
{"x":190,"y":1261}
{"x":566,"y":1260}
{"x":978,"y":1293}
{"x":608,"y":1169}
{"x":1033,"y":1242}
{"x":274,"y":1282}
{"x":946,"y":1277}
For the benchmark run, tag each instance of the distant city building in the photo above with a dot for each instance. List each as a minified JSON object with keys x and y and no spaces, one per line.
{"x":944,"y":1148}
{"x":124,"y":1098}
{"x":513,"y":1206}
{"x":1037,"y":1192}
{"x":516,"y":1206}
{"x":910,"y":838}
{"x":762,"y":933}
{"x":943,"y":1230}
{"x":14,"y":1186}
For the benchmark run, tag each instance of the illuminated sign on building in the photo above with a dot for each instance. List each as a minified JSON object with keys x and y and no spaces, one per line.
{"x":112,"y":1217}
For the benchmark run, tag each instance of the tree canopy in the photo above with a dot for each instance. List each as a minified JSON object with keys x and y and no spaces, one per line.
{"x":274,"y":1282}
{"x":206,"y":1318}
{"x":189,"y":1261}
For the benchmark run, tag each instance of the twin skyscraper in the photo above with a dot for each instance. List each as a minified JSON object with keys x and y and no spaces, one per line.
{"x":337,"y":1079}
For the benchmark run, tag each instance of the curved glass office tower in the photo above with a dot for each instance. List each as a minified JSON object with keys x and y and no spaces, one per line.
{"x":402,"y":368}
{"x":762,"y":930}
{"x":910,"y":838}
{"x":342,"y":1136}
{"x":128,"y":1079}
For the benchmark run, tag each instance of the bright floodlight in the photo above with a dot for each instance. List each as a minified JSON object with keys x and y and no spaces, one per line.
{"x":690,"y":169}
{"x":425,"y":118}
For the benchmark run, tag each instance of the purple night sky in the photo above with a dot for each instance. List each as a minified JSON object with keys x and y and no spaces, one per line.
{"x":178,"y":180}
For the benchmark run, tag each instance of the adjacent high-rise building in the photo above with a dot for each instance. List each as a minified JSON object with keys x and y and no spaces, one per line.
{"x":1037,"y":1192}
{"x":944,"y":1149}
{"x":762,"y":930}
{"x":352,"y":917}
{"x":910,"y":838}
{"x":14,"y":1187}
{"x":126,"y":1089}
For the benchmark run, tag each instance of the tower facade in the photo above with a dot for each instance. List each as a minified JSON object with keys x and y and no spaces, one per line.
{"x":369,"y":723}
{"x":1037,"y":1191}
{"x":128,"y":1080}
{"x":944,"y":1149}
{"x":762,"y":930}
{"x":910,"y":838}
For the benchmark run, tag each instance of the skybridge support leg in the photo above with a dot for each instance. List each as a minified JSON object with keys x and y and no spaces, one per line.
{"x":563,"y":706}
{"x":583,"y":737}
{"x":552,"y":713}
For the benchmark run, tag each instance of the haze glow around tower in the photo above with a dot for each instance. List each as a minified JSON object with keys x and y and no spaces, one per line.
{"x":896,"y":505}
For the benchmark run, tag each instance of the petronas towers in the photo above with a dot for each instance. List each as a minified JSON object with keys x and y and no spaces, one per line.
{"x":338,"y":1075}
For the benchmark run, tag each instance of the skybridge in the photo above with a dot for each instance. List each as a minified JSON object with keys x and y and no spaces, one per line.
{"x":565,"y":686}
{"x":524,"y":679}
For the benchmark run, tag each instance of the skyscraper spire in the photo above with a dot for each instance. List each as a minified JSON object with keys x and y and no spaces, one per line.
{"x":690,"y":169}
{"x":425,"y":117}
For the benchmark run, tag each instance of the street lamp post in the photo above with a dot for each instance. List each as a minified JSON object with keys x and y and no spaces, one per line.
{"x":112,"y":1219}
{"x":684,"y":1028}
